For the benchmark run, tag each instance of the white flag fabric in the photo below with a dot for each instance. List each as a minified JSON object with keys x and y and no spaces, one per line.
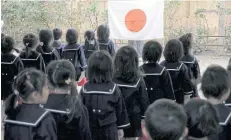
{"x":136,"y":19}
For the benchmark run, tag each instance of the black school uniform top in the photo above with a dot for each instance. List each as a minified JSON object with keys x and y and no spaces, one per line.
{"x":224,"y":114}
{"x":105,"y":105}
{"x":11,"y":65}
{"x":49,"y":54}
{"x":35,"y":60}
{"x":192,"y":64}
{"x":74,"y":52}
{"x":136,"y":100}
{"x":31,"y":122}
{"x":108,"y":46}
{"x":58,"y":46}
{"x":180,"y":79}
{"x":77,"y":128}
{"x":158,"y":82}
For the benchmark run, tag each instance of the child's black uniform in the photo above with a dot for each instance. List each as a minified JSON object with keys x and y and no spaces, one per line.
{"x":11,"y":65}
{"x":158,"y":82}
{"x":49,"y":54}
{"x":193,"y":68}
{"x":74,"y":53}
{"x":108,"y":46}
{"x":58,"y":46}
{"x":35,"y":60}
{"x":30,"y":122}
{"x":106,"y":108}
{"x":136,"y":100}
{"x":180,"y":80}
{"x":224,"y":114}
{"x":77,"y":128}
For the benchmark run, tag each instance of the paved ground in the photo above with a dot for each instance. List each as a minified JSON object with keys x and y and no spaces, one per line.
{"x":204,"y":61}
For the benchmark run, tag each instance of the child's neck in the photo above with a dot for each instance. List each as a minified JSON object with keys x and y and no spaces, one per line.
{"x":214,"y":101}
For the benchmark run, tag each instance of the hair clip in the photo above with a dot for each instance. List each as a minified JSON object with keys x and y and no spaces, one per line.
{"x":68,"y":81}
{"x":27,"y":44}
{"x":16,"y":92}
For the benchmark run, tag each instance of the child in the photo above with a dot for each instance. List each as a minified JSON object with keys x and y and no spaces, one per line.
{"x":11,"y":65}
{"x":48,"y":53}
{"x":91,"y":45}
{"x":165,"y":120}
{"x":74,"y":52}
{"x":28,"y":121}
{"x":216,"y":88}
{"x":178,"y":71}
{"x":103,"y":99}
{"x":228,"y":101}
{"x":157,"y":79}
{"x":105,"y":43}
{"x":190,"y":61}
{"x":30,"y":57}
{"x":202,"y":119}
{"x":57,"y":33}
{"x":65,"y":104}
{"x":132,"y":86}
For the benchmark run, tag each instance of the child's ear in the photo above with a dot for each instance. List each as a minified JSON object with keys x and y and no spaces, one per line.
{"x":185,"y":134}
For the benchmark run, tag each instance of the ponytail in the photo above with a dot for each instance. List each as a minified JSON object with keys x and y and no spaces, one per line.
{"x":10,"y":106}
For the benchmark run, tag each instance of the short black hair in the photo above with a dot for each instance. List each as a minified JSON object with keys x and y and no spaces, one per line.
{"x":57,"y":33}
{"x":103,"y":32}
{"x":215,"y":82}
{"x":173,"y":50}
{"x":152,"y":51}
{"x":127,"y":64}
{"x":72,"y":36}
{"x":59,"y":71}
{"x":46,"y":36}
{"x":165,"y":120}
{"x":186,"y":40}
{"x":7,"y":44}
{"x":30,"y":40}
{"x":203,"y":119}
{"x":100,"y":67}
{"x":89,"y":34}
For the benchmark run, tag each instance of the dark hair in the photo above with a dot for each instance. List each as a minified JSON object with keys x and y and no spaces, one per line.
{"x":173,"y":50}
{"x":215,"y":82}
{"x":30,"y":41}
{"x":89,"y":34}
{"x":203,"y":119}
{"x":90,"y":41}
{"x":45,"y":36}
{"x":59,"y":71}
{"x":103,"y":32}
{"x":26,"y":82}
{"x":152,"y":51}
{"x":72,"y":36}
{"x":187,"y":42}
{"x":100,"y":67}
{"x":229,"y":65}
{"x":57,"y":33}
{"x":7,"y":44}
{"x":165,"y":120}
{"x":126,"y":64}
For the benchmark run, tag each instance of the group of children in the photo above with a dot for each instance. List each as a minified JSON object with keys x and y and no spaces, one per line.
{"x":117,"y":96}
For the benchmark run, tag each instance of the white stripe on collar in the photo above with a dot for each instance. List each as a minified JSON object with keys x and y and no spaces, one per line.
{"x":104,"y":43}
{"x":133,"y":86}
{"x":101,"y":92}
{"x":10,"y":62}
{"x":177,"y":69}
{"x":187,"y":62}
{"x":31,"y":59}
{"x":154,"y":73}
{"x":123,"y":126}
{"x":49,"y":52}
{"x":70,"y":49}
{"x":226,"y":121}
{"x":229,"y":104}
{"x":26,"y":123}
{"x":58,"y":111}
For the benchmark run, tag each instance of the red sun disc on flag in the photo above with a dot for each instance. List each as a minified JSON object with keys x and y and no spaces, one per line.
{"x":135,"y":20}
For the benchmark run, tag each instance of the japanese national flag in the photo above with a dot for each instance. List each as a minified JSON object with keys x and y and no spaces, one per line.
{"x":136,"y":19}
